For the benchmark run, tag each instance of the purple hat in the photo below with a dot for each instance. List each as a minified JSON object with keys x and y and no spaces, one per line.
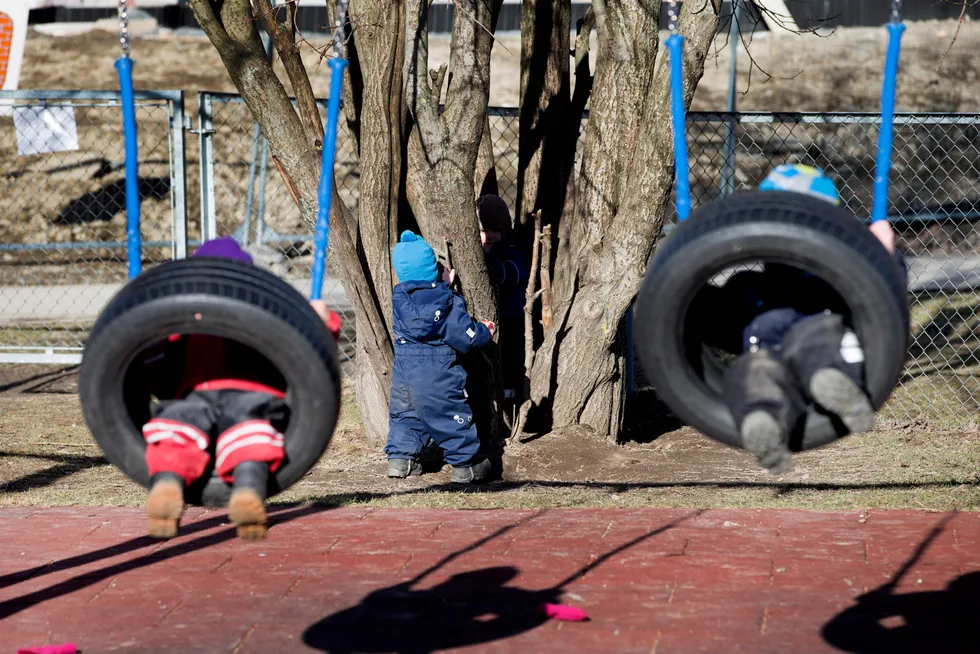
{"x":225,"y":248}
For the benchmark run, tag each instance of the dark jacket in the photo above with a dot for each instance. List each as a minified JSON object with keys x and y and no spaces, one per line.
{"x":763,"y":305}
{"x":429,"y":313}
{"x":509,"y":273}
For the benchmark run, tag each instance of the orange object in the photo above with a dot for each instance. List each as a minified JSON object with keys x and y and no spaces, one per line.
{"x":6,"y":39}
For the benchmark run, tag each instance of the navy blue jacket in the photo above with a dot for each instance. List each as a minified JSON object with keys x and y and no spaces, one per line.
{"x":509,"y":273}
{"x":429,"y":313}
{"x":764,"y":305}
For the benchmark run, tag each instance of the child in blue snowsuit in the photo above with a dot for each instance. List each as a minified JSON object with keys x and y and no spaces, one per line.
{"x":428,"y":396}
{"x":794,"y":346}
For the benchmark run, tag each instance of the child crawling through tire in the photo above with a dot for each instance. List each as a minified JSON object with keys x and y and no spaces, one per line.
{"x":219,"y":387}
{"x":795,"y":348}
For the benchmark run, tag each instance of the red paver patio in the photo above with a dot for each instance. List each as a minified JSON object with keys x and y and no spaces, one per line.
{"x":400,"y":580}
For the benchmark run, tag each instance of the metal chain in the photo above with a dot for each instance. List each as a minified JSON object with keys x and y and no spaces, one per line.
{"x":673,"y":17}
{"x":124,"y":27}
{"x":338,"y":29}
{"x":896,"y":11}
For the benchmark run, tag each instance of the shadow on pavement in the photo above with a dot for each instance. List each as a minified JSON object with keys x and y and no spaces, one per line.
{"x":883,"y":622}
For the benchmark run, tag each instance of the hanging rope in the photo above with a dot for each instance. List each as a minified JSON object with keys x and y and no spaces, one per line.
{"x":886,"y":132}
{"x":321,"y":240}
{"x":675,"y":48}
{"x":125,"y":67}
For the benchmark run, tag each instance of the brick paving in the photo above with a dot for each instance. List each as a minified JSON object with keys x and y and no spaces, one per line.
{"x":404,"y":580}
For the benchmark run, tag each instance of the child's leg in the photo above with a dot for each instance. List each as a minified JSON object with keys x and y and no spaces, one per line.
{"x":176,"y":455}
{"x":827,"y":359}
{"x":249,"y":447}
{"x":449,"y":419}
{"x":406,"y":433}
{"x":765,"y":405}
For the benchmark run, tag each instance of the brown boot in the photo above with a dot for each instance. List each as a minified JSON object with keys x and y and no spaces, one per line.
{"x":164,"y":505}
{"x":246,"y":508}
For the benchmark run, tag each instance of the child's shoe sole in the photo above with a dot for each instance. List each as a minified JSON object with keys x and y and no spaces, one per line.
{"x":247,"y":511}
{"x":837,"y":393}
{"x":164,"y":506}
{"x":764,"y":438}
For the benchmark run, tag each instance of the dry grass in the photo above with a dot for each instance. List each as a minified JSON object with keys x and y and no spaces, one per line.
{"x":48,"y":458}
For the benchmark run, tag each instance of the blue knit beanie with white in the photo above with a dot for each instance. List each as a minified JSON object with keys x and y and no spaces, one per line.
{"x":808,"y":180}
{"x":414,"y":260}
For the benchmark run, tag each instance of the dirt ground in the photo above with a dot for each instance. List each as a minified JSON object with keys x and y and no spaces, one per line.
{"x":48,"y":458}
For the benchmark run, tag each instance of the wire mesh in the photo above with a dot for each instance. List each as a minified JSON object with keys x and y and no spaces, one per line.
{"x":253,"y":204}
{"x":62,"y":214}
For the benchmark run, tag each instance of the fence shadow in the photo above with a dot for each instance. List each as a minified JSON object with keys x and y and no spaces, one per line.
{"x":42,"y":379}
{"x":105,"y":203}
{"x":883,"y":622}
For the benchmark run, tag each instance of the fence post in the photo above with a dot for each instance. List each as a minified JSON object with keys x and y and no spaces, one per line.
{"x":206,"y":132}
{"x":728,"y":158}
{"x":178,"y":178}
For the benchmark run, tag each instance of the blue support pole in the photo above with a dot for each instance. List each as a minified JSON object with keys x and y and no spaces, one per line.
{"x":134,"y":250}
{"x":879,"y":210}
{"x":675,"y":47}
{"x":321,"y":239}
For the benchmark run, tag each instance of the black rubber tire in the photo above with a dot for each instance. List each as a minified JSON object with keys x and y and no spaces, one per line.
{"x":782,"y":227}
{"x":218,"y":297}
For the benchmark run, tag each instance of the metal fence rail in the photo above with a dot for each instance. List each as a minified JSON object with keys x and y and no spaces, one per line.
{"x":62,"y":210}
{"x":62,"y":229}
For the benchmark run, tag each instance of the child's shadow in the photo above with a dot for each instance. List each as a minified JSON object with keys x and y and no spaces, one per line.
{"x":943,"y":620}
{"x":467,"y":609}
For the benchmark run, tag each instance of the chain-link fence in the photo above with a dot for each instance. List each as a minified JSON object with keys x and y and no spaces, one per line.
{"x":62,"y":210}
{"x":62,"y":231}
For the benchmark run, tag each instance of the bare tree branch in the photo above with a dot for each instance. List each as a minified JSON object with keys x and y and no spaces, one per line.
{"x":959,"y":25}
{"x":284,"y":38}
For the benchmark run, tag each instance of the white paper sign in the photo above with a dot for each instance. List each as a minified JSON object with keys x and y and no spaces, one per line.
{"x":42,"y":129}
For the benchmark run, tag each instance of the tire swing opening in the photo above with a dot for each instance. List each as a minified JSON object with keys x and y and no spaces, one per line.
{"x":215,"y":297}
{"x":786,"y":229}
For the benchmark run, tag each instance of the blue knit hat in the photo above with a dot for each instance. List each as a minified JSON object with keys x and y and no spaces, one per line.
{"x":225,"y":248}
{"x":414,"y":260}
{"x":801,"y":179}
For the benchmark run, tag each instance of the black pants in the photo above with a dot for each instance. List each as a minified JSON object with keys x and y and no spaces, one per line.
{"x":777,"y":382}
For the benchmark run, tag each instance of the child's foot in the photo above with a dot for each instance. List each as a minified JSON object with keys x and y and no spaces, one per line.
{"x":246,"y":507}
{"x":164,"y":505}
{"x":840,"y":395}
{"x":766,"y":440}
{"x":401,"y":468}
{"x":471,"y":473}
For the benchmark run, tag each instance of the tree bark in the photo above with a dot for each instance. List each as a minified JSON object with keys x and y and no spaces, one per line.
{"x":623,"y":186}
{"x":545,"y":97}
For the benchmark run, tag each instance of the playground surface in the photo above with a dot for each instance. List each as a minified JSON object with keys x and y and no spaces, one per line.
{"x":362,"y":579}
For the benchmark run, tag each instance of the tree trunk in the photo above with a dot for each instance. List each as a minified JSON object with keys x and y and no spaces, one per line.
{"x":545,"y":97}
{"x":231,"y":27}
{"x":623,"y":187}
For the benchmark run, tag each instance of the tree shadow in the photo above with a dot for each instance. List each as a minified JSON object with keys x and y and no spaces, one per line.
{"x":470,"y":608}
{"x":883,"y":622}
{"x":646,"y":418}
{"x":104,"y":204}
{"x":68,"y":464}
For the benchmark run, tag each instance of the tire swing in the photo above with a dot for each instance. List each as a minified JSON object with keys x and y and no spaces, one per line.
{"x":215,"y":297}
{"x":783,"y":228}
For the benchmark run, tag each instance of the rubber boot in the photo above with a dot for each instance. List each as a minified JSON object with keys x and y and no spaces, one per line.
{"x":246,"y":507}
{"x":402,"y":468}
{"x":164,"y":505}
{"x":470,"y":474}
{"x":827,"y":359}
{"x":766,"y":405}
